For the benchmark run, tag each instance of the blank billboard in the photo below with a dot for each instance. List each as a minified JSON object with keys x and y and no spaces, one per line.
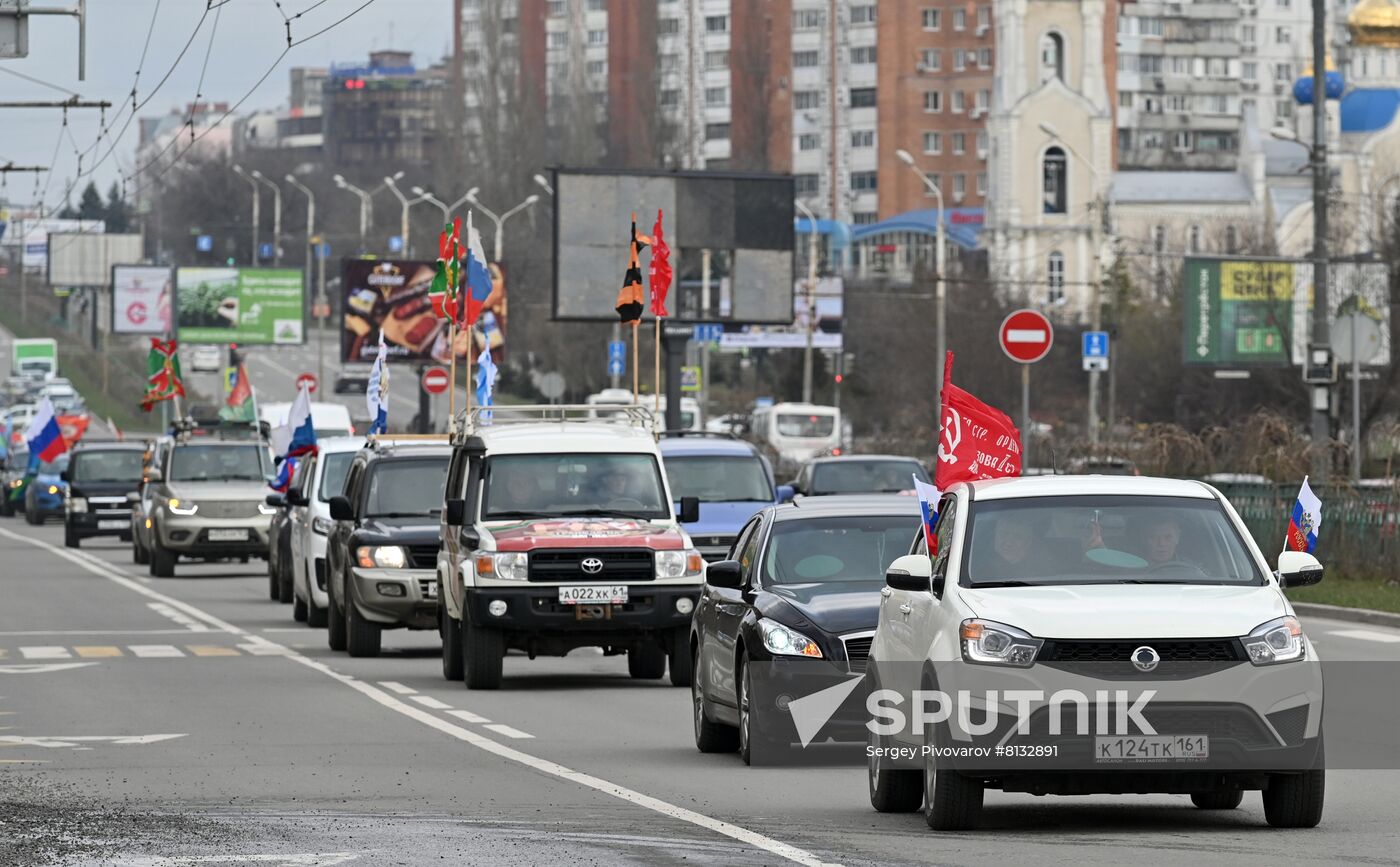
{"x":731,"y":240}
{"x":86,"y":258}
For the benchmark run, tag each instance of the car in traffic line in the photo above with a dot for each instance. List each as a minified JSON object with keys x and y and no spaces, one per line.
{"x":310,"y":515}
{"x":859,"y":474}
{"x":329,"y":419}
{"x":102,"y":479}
{"x":1099,"y":586}
{"x":45,"y":493}
{"x":142,"y":505}
{"x":381,"y":554}
{"x":801,"y":584}
{"x":13,"y":479}
{"x":207,"y":358}
{"x":728,"y":476}
{"x":279,"y":542}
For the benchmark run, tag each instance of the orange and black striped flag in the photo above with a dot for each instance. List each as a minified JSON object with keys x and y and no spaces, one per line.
{"x":631,"y":300}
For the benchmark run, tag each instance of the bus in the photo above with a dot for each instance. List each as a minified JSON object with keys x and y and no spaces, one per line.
{"x":797,"y":432}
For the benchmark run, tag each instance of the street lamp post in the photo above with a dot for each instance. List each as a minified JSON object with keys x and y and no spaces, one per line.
{"x":435,"y":201}
{"x":811,"y":298}
{"x":310,"y":226}
{"x":1320,"y":345}
{"x":543,"y":183}
{"x":276,"y":216}
{"x":940,"y":292}
{"x":366,"y":206}
{"x":500,"y":221}
{"x":405,"y":203}
{"x":238,"y":170}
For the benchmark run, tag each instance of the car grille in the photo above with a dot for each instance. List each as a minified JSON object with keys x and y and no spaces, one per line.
{"x":713,"y":548}
{"x":1225,"y":722}
{"x":1180,"y":658}
{"x":422,"y":556}
{"x":1291,"y":724}
{"x":225,"y":509}
{"x":857,"y":650}
{"x":427,"y":588}
{"x":619,"y":565}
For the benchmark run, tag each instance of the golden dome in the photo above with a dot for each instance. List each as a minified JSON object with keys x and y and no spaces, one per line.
{"x":1375,"y":22}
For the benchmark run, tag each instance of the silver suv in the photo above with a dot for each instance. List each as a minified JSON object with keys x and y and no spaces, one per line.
{"x":208,"y":502}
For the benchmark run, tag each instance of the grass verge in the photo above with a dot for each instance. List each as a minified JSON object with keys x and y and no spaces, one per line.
{"x":1350,"y":593}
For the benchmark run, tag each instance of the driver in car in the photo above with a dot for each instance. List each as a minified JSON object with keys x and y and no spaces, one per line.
{"x":1160,"y":542}
{"x":512,"y":490}
{"x":615,"y":484}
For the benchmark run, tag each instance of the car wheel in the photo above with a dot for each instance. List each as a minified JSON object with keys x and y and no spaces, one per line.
{"x":678,"y":657}
{"x":451,"y":631}
{"x":316,"y":618}
{"x":162,"y":562}
{"x":284,"y":584}
{"x":274,"y":590}
{"x":952,"y":802}
{"x":892,"y":790}
{"x":7,"y":508}
{"x":1295,"y":800}
{"x":1225,"y":799}
{"x":139,"y":555}
{"x":335,"y":623}
{"x":745,"y":717}
{"x":646,"y":661}
{"x":299,"y":609}
{"x":31,"y":516}
{"x":362,"y":636}
{"x":483,"y":656}
{"x":70,"y":538}
{"x":710,"y":736}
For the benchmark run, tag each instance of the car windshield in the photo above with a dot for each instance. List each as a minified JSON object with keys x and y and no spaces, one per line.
{"x":54,"y":467}
{"x":334,"y":467}
{"x":224,"y":462}
{"x":583,"y":485}
{"x":848,"y":548}
{"x":111,"y":466}
{"x":1105,"y":540}
{"x":719,"y":478}
{"x":866,"y":477}
{"x":405,"y":487}
{"x":794,"y":425}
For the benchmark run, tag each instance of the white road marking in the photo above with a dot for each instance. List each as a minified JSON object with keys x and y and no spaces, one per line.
{"x":308,"y":859}
{"x":394,"y":686}
{"x":468,"y":716}
{"x":58,"y":632}
{"x":263,"y":648}
{"x":155,"y":651}
{"x":45,"y":653}
{"x":72,"y":741}
{"x":1367,"y":635}
{"x":507,"y":731}
{"x":43,"y":668}
{"x":763,"y":842}
{"x":430,"y":702}
{"x":178,"y":616}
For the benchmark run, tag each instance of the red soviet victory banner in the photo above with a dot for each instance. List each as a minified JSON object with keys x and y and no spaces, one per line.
{"x":975,"y":441}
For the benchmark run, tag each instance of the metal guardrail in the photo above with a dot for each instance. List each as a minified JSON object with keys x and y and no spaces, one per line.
{"x":471,"y":420}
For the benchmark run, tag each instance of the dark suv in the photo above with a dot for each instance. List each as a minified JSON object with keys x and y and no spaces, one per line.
{"x":381,"y":555}
{"x":101,"y":478}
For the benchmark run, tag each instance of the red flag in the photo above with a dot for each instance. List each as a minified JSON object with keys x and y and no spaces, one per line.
{"x":975,"y":441}
{"x":242,"y":388}
{"x":660,"y":272}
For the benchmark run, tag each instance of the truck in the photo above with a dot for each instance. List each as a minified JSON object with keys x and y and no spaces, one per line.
{"x":558,"y":532}
{"x":34,"y":357}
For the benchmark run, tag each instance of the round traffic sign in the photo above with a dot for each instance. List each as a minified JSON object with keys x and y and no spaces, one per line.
{"x":551,"y":384}
{"x":1026,"y":336}
{"x":308,"y":380}
{"x":435,"y":380}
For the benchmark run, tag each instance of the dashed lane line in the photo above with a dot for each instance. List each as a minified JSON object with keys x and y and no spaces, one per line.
{"x":45,"y":653}
{"x":1366,"y":635}
{"x":468,"y":716}
{"x":755,"y":839}
{"x":430,"y":702}
{"x":395,"y":686}
{"x":506,"y":731}
{"x":156,"y":651}
{"x":98,"y":651}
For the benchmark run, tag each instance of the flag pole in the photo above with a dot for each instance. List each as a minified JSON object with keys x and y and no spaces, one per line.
{"x":470,"y":348}
{"x":656,"y":373}
{"x":452,"y":376}
{"x":636,"y":379}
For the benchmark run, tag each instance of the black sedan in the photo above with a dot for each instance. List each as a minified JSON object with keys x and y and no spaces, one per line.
{"x":799,"y":595}
{"x":102,"y":478}
{"x":858,"y":474}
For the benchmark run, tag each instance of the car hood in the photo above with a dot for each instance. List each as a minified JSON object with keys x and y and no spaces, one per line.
{"x":197,"y":491}
{"x":722,"y":519}
{"x":1129,"y":610}
{"x":403,"y":531}
{"x":104,"y":489}
{"x":834,"y":607}
{"x":585,"y":532}
{"x":43,"y":480}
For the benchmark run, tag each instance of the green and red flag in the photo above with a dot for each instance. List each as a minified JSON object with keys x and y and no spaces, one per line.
{"x":238,"y":387}
{"x":448,"y":278}
{"x":163,"y":380}
{"x":630,"y":301}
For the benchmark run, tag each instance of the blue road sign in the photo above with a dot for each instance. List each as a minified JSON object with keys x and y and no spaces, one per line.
{"x":323,"y":251}
{"x":1096,"y":344}
{"x":204,"y":243}
{"x":264,"y":251}
{"x":395,"y":244}
{"x":708,"y":332}
{"x":616,"y":367}
{"x":617,"y":351}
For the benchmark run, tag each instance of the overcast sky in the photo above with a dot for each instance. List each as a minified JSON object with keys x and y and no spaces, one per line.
{"x":247,"y":40}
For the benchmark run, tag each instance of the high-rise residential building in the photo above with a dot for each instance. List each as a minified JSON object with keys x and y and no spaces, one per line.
{"x":383,"y":113}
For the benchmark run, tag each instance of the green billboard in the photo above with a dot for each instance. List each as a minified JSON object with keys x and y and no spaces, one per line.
{"x":239,"y":305}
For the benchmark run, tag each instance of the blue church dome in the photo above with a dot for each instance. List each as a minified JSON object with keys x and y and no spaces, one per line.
{"x":1303,"y":87}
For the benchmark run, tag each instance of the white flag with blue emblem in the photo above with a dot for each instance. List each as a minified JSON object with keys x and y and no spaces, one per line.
{"x":377,"y":394}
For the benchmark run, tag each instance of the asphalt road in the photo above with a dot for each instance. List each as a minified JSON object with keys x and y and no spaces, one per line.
{"x":189,"y":720}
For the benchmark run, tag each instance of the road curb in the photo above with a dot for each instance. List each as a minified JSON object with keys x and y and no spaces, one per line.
{"x":1355,"y":615}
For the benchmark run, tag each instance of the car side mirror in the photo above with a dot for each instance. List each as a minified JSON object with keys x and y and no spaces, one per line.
{"x":913,"y":572}
{"x":456,"y":513}
{"x":1298,"y":569}
{"x":725,"y":573}
{"x":341,"y":510}
{"x":276,"y":500}
{"x":786,"y":493}
{"x":690,"y":510}
{"x":296,"y":498}
{"x":63,"y":476}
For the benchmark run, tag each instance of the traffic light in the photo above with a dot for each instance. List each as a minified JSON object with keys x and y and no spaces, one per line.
{"x":839,"y":377}
{"x":354,"y":84}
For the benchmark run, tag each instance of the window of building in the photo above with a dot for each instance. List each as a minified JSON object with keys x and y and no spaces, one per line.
{"x":807,"y":19}
{"x":1125,"y":99}
{"x":1283,"y":109}
{"x":984,"y":17}
{"x":933,"y":101}
{"x":1159,"y":238}
{"x":959,"y":19}
{"x":863,"y":54}
{"x":1283,"y":35}
{"x":804,"y":100}
{"x":1150,"y":138}
{"x":1177,"y":102}
{"x":933,"y":19}
{"x":809,"y":141}
{"x":597,"y":67}
{"x":717,"y":24}
{"x":959,"y":186}
{"x":668,"y":26}
{"x":1218,"y":67}
{"x":1150,"y":64}
{"x":1055,"y":277}
{"x":670,"y":98}
{"x":806,"y":185}
{"x":718,"y":59}
{"x":1052,"y":57}
{"x":931,"y":60}
{"x":559,"y":39}
{"x":597,"y":5}
{"x":716,"y":131}
{"x":981,"y":183}
{"x":865,"y":218}
{"x":984,"y":100}
{"x":597,"y":37}
{"x":804,"y":58}
{"x":1247,"y":34}
{"x":982,"y":144}
{"x":863,"y":138}
{"x":1181,"y":141}
{"x":862,"y":97}
{"x":863,"y":182}
{"x":936,"y":181}
{"x":959,"y":143}
{"x":1249,"y":70}
{"x":1231,"y":239}
{"x":863,"y":14}
{"x":933,"y":143}
{"x":959,"y":59}
{"x":1193,"y":239}
{"x":1054,"y":181}
{"x":984,"y":58}
{"x":959,"y":101}
{"x":670,"y":62}
{"x":1283,"y":72}
{"x":556,"y":8}
{"x":1152,"y":104}
{"x":1178,"y":66}
{"x":716,"y":96}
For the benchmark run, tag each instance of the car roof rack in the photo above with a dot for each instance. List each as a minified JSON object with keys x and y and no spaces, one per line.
{"x":470,"y":421}
{"x":698,"y":434}
{"x":389,"y":441}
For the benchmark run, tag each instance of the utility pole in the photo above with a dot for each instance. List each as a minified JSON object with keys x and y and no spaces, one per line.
{"x":811,"y":295}
{"x":1319,"y":348}
{"x":257,"y":197}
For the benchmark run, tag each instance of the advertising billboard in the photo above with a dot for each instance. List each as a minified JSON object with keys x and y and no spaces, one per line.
{"x":827,"y":299}
{"x":391,"y":296}
{"x":1256,"y":312}
{"x":240,"y":305}
{"x":86,"y":258}
{"x":142,"y":296}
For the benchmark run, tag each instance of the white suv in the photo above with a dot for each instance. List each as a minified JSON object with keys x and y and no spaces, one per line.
{"x":322,"y":478}
{"x":1093,"y":635}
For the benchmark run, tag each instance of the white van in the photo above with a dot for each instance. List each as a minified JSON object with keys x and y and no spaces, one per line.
{"x":329,"y":419}
{"x":797,"y":432}
{"x":606,"y":398}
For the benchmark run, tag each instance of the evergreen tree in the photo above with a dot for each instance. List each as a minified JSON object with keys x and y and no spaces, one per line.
{"x":117,"y":213}
{"x":90,"y":205}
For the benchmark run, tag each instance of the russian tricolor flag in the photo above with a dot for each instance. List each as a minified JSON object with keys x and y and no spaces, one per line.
{"x":1305,"y":521}
{"x":44,"y":436}
{"x":303,"y":431}
{"x":928,"y":508}
{"x":478,"y":277}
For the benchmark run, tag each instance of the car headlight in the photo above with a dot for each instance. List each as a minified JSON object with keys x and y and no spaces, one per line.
{"x":381,"y":557}
{"x":679,"y":564}
{"x":1277,"y":641}
{"x":986,"y":642}
{"x":77,"y":504}
{"x":322,"y":526}
{"x":17,"y":483}
{"x":507,"y":565}
{"x":181,"y":507}
{"x":787,"y":642}
{"x":53,"y":489}
{"x":265,"y":509}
